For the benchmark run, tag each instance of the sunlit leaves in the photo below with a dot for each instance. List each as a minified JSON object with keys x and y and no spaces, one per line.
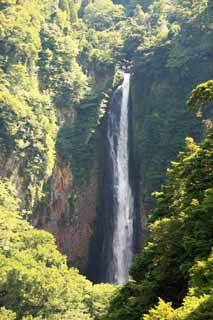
{"x":201,"y":96}
{"x":35,"y":281}
{"x":103,"y":14}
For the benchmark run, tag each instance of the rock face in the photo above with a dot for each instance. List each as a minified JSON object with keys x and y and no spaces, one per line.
{"x":71,"y":214}
{"x":101,"y":244}
{"x":160,"y":117}
{"x":69,"y":209}
{"x":61,"y":188}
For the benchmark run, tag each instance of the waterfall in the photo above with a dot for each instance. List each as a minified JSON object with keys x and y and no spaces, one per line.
{"x":118,"y":138}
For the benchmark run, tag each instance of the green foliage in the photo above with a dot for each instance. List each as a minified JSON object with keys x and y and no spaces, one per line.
{"x":35,"y":282}
{"x":20,"y":25}
{"x":103,"y":14}
{"x":196,"y":308}
{"x":99,"y":50}
{"x":159,"y":101}
{"x":77,"y":144}
{"x":28,"y":130}
{"x":118,"y":78}
{"x":39,"y":70}
{"x":164,"y":311}
{"x":101,"y":297}
{"x":73,"y":315}
{"x":177,"y":255}
{"x":59,"y":70}
{"x":160,"y":24}
{"x":193,"y":309}
{"x":27,"y":122}
{"x":196,"y":22}
{"x":7,"y":314}
{"x":201,"y":95}
{"x":202,"y":276}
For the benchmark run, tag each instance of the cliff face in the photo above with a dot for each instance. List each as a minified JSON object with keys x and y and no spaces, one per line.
{"x":70,"y":214}
{"x":161,"y":84}
{"x":100,"y":253}
{"x":68,"y":209}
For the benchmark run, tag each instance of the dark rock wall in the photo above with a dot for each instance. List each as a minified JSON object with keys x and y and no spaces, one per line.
{"x":101,"y":244}
{"x":160,"y":120}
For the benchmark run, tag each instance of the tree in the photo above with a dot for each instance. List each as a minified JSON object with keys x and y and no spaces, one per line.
{"x":103,"y":14}
{"x":202,"y":95}
{"x":7,"y":314}
{"x":35,"y":282}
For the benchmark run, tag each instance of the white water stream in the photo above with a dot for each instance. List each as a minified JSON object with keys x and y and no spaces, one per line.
{"x":118,"y":137}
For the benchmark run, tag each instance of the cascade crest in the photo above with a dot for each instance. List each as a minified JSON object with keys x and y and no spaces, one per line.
{"x":123,"y":204}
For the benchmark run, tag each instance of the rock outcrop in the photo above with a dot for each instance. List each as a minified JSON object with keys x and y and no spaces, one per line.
{"x":70,"y":214}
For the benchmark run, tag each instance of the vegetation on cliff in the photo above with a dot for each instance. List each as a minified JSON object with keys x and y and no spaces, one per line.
{"x":38,"y":67}
{"x":59,"y":61}
{"x":164,"y":75}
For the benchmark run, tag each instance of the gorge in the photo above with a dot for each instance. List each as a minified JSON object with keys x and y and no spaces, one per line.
{"x":106,"y":159}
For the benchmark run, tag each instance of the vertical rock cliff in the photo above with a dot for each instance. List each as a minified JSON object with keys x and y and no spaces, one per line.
{"x":69,"y":207}
{"x":70,"y":214}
